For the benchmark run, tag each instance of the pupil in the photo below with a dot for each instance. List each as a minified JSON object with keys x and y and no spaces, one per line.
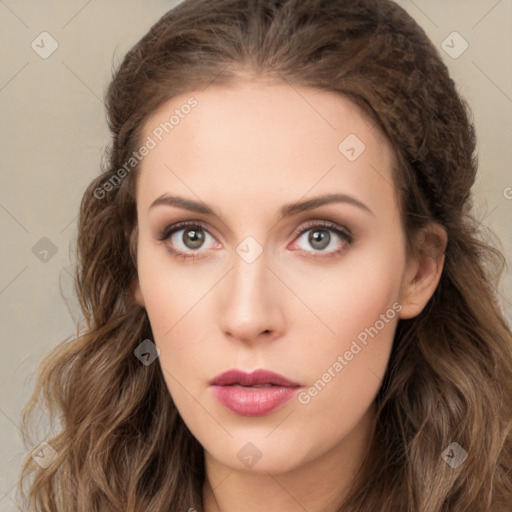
{"x":319,"y":239}
{"x":193,"y":238}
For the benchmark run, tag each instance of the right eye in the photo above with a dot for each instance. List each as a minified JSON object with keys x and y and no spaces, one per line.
{"x":186,"y":238}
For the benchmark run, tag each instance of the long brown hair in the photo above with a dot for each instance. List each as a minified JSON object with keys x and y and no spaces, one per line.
{"x":121,"y":444}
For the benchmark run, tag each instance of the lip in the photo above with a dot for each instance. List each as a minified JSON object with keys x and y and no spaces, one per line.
{"x":253,"y":394}
{"x":258,"y":377}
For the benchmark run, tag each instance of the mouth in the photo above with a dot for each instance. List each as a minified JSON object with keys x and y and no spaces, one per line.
{"x":253,"y":394}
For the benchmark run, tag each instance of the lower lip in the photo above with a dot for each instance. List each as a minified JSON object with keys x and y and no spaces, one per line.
{"x":251,"y":401}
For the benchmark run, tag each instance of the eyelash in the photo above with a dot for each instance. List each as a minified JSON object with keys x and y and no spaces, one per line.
{"x":342,"y":232}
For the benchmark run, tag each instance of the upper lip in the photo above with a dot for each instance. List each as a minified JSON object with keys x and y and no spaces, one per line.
{"x":252,"y":379}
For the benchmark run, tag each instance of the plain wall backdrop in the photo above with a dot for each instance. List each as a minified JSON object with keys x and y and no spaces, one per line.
{"x":57,"y":58}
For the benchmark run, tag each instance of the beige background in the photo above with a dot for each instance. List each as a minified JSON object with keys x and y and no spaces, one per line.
{"x":53,"y":133}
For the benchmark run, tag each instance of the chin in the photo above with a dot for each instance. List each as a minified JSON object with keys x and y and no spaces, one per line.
{"x":259,"y":457}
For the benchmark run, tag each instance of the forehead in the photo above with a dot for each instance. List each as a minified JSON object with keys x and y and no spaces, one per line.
{"x":261,"y":108}
{"x":253,"y":138}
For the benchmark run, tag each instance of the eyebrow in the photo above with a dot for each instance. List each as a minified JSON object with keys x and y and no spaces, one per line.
{"x":286,"y":211}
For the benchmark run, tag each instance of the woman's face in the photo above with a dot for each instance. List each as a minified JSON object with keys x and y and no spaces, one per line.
{"x":294,"y":262}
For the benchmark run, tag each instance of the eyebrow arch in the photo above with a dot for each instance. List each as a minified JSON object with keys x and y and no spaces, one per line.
{"x":316,"y":202}
{"x":286,"y":211}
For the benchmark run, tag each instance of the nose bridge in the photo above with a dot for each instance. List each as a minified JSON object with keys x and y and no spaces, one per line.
{"x":250,"y":305}
{"x":250,"y":278}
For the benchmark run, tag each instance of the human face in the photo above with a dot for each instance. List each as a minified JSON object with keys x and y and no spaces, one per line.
{"x":321,"y":305}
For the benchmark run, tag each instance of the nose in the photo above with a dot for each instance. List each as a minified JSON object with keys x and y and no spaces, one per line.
{"x":251,"y":305}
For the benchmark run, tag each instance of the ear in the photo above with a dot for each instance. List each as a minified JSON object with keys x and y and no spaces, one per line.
{"x":137,"y":293}
{"x":423,"y":270}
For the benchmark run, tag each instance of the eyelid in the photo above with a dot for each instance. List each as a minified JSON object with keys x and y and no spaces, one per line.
{"x":170,"y":229}
{"x":324,"y":224}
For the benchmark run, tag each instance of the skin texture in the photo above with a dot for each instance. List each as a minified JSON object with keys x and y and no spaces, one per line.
{"x":246,"y":151}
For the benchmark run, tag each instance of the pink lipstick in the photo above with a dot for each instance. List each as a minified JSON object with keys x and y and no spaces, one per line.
{"x":253,"y":394}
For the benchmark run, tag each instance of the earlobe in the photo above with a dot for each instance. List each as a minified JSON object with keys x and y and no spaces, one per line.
{"x":423,"y":271}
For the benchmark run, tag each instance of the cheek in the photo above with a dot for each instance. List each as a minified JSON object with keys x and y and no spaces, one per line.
{"x":170,"y":292}
{"x":177,"y":301}
{"x":350,"y":296}
{"x":344,"y":371}
{"x":173,"y":307}
{"x":358,"y":308}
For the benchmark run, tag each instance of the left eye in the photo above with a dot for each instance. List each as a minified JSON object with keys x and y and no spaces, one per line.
{"x":320,"y":237}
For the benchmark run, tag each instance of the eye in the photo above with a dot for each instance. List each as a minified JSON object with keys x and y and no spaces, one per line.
{"x":186,"y":238}
{"x":320,"y":238}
